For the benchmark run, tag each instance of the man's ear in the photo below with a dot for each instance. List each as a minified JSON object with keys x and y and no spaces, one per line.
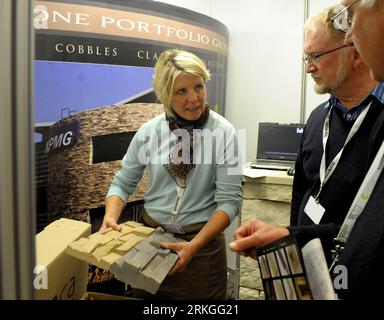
{"x":357,"y":60}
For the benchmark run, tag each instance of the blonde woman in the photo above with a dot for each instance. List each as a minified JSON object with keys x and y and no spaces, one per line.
{"x":188,"y":152}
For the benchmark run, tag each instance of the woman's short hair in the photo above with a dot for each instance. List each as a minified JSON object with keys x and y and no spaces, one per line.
{"x":170,"y":64}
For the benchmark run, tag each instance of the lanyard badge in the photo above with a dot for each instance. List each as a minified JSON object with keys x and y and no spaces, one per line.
{"x":174,"y":227}
{"x":313,"y":208}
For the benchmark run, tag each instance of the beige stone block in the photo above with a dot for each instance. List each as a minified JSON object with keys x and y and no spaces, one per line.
{"x":248,"y":262}
{"x":143,"y":231}
{"x":129,"y":237}
{"x":102,"y":251}
{"x":114,"y":234}
{"x":107,"y":260}
{"x":129,"y":241}
{"x":87,"y":247}
{"x":79,"y":243}
{"x":109,"y":236}
{"x":273,"y":212}
{"x":248,"y":294}
{"x":133,"y":224}
{"x":109,"y":229}
{"x":274,"y":192}
{"x":92,"y":260}
{"x":74,"y":249}
{"x":126,"y":229}
{"x":250,"y":278}
{"x":100,"y":238}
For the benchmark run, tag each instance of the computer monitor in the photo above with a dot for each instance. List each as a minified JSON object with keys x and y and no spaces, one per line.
{"x":278,"y":141}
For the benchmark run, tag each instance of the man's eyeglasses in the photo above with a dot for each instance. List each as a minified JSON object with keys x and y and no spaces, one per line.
{"x":342,"y":20}
{"x":307,"y":58}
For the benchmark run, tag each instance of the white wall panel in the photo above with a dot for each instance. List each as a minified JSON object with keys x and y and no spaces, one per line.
{"x":264,"y":60}
{"x":264,"y":69}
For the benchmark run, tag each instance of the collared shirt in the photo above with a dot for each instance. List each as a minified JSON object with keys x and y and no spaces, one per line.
{"x":378,"y":92}
{"x":352,"y":114}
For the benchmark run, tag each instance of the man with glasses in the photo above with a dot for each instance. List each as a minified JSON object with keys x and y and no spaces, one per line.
{"x":363,"y":253}
{"x":363,"y":23}
{"x":340,"y":139}
{"x":331,"y":164}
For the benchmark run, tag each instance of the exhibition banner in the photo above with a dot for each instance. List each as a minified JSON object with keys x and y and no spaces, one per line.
{"x":91,"y":54}
{"x":94,"y":64}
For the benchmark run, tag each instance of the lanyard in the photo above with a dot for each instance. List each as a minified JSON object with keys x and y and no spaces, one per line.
{"x":325,"y":174}
{"x":363,"y":195}
{"x":175,"y":210}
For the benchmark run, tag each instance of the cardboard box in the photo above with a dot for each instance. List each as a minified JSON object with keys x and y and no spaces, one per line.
{"x":104,"y":296}
{"x":58,"y":275}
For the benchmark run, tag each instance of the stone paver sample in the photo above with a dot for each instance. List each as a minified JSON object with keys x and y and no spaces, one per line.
{"x":133,"y":255}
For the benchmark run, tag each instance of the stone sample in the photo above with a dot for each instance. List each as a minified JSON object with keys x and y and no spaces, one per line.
{"x":133,"y":255}
{"x":102,"y":249}
{"x":146,"y":265}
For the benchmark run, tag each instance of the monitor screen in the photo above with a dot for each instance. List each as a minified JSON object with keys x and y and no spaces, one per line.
{"x":279,"y":141}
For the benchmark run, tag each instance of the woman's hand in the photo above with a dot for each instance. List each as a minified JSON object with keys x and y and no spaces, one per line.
{"x":109,"y":223}
{"x":185,"y":252}
{"x":113,"y":207}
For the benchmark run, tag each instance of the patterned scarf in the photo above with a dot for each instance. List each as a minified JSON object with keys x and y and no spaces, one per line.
{"x":180,"y":164}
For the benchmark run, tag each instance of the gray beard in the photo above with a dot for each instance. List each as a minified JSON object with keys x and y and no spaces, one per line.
{"x":341,"y":75}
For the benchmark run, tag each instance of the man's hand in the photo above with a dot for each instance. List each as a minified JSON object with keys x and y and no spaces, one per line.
{"x":253,"y":234}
